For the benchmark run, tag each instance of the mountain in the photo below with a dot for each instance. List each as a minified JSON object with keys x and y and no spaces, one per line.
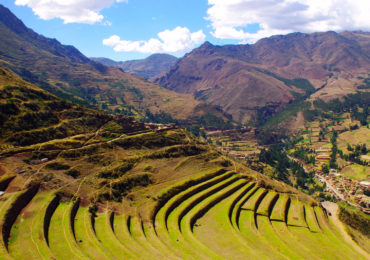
{"x":272,"y":72}
{"x":78,"y":182}
{"x":30,"y":115}
{"x":147,"y":68}
{"x":66,"y":72}
{"x":81,"y":183}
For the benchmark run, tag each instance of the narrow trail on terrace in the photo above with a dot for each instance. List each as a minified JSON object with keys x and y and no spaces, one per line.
{"x":334,"y":210}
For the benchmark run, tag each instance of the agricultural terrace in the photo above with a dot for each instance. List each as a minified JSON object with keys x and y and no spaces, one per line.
{"x":219,"y":215}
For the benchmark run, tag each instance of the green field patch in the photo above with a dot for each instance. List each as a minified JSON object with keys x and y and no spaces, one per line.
{"x":107,"y":237}
{"x":137,"y":233}
{"x":235,"y":214}
{"x":253,"y":202}
{"x":7,"y":201}
{"x":188,"y":221}
{"x":356,"y":172}
{"x":279,"y":210}
{"x":254,"y":238}
{"x":85,"y":236}
{"x":27,"y":239}
{"x":267,"y":203}
{"x":266,"y":230}
{"x":296,"y":215}
{"x":61,"y":240}
{"x":175,"y":216}
{"x":311,"y":219}
{"x":121,"y":226}
{"x":215,"y":230}
{"x":290,"y":240}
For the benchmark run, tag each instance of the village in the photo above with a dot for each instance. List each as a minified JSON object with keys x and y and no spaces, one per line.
{"x":346,"y":189}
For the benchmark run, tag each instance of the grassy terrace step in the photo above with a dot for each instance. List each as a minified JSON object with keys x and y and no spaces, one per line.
{"x":174,"y":234}
{"x":85,"y":236}
{"x":278,"y":212}
{"x":179,"y":198}
{"x":267,"y":203}
{"x":253,"y":202}
{"x":200,"y":209}
{"x":254,"y":238}
{"x":13,"y":210}
{"x":235,"y":214}
{"x":194,"y":200}
{"x":216,"y":231}
{"x":121,"y":230}
{"x":107,"y":237}
{"x":61,"y":240}
{"x":324,"y":246}
{"x":290,"y":240}
{"x":27,"y":235}
{"x":296,"y":215}
{"x":156,"y":242}
{"x":162,"y":214}
{"x":335,"y":237}
{"x":235,"y":205}
{"x":266,"y":230}
{"x":137,"y":232}
{"x":7,"y":200}
{"x":193,"y":214}
{"x":321,"y":245}
{"x":311,"y":219}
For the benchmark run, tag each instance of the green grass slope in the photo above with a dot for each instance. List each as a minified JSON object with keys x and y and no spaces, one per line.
{"x":111,"y":188}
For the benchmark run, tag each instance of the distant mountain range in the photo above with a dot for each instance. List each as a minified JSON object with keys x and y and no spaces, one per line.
{"x":238,"y":82}
{"x":147,"y":68}
{"x":67,"y":73}
{"x":242,"y":79}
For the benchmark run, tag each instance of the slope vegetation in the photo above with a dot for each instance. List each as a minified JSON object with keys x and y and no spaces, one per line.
{"x":114,"y":188}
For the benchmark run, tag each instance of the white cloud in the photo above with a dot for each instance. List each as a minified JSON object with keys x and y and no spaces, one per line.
{"x":179,"y":40}
{"x":230,"y":18}
{"x":70,"y":11}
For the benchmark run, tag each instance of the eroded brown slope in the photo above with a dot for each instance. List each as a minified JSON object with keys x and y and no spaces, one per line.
{"x":241,"y":78}
{"x":66,"y":72}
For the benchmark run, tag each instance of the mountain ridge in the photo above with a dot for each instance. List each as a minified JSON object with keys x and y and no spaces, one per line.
{"x":147,"y":68}
{"x":258,"y":73}
{"x":66,"y":72}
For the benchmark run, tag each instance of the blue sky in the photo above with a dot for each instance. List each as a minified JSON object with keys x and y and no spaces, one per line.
{"x":133,"y":29}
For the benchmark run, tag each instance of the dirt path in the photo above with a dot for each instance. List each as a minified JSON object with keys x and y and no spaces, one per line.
{"x":333,"y":209}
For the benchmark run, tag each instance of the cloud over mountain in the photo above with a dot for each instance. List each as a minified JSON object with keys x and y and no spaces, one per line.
{"x":229,"y":19}
{"x":70,"y":11}
{"x":178,"y":40}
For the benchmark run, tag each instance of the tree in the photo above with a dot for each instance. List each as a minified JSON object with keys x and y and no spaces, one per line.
{"x":325,"y":169}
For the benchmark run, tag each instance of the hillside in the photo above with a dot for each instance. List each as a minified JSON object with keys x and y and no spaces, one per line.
{"x":242,"y":79}
{"x":147,"y":68}
{"x":65,"y":72}
{"x":85,"y":184}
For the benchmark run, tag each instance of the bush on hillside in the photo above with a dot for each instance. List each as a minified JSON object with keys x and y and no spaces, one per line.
{"x":354,"y":218}
{"x":57,"y":166}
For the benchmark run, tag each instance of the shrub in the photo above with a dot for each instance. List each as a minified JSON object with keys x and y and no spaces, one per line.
{"x":57,"y":166}
{"x":177,"y":151}
{"x":120,"y":188}
{"x":354,"y":218}
{"x":118,"y":171}
{"x":74,"y":173}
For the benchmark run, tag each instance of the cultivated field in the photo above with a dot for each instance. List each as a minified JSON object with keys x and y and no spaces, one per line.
{"x":221,"y":215}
